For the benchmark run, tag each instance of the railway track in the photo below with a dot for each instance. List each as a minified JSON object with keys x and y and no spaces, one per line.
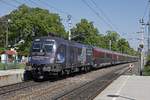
{"x":84,"y":86}
{"x":91,"y":89}
{"x":18,"y":86}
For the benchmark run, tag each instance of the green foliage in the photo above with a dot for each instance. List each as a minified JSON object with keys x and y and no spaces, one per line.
{"x":113,"y":36}
{"x":3,"y":29}
{"x":148,"y":60}
{"x":85,"y":32}
{"x":146,"y":71}
{"x":2,"y":49}
{"x":123,"y":45}
{"x":12,"y":66}
{"x":28,"y":22}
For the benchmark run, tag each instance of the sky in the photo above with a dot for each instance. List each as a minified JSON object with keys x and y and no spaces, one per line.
{"x":121,"y":16}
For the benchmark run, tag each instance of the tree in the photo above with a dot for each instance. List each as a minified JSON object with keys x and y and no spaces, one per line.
{"x":113,"y":36}
{"x":123,"y":45}
{"x":85,"y":32}
{"x":3,"y":31}
{"x":29,"y":22}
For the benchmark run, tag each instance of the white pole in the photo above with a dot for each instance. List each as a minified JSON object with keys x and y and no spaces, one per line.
{"x":69,"y":25}
{"x":142,"y":46}
{"x":69,"y":37}
{"x":109,"y":44}
{"x":149,"y":30}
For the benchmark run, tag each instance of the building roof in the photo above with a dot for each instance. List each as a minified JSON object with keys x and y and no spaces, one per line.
{"x":9,"y":52}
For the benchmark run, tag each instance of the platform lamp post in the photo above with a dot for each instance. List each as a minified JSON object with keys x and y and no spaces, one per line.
{"x":110,"y":44}
{"x":6,"y":40}
{"x":7,"y":31}
{"x":69,"y":17}
{"x":141,"y":45}
{"x":8,"y":21}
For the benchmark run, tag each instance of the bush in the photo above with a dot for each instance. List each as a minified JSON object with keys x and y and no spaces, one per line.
{"x":148,"y":60}
{"x":146,"y":71}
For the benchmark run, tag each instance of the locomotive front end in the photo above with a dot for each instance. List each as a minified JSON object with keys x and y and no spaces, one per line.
{"x":42,"y":57}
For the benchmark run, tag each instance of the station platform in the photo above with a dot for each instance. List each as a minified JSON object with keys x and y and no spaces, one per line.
{"x":127,"y":87}
{"x":12,"y":76}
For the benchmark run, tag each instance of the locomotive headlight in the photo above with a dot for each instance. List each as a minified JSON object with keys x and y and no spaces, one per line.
{"x":54,"y":47}
{"x":51,"y":60}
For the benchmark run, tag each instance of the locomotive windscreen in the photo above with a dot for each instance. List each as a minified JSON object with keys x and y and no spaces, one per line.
{"x":36,"y":47}
{"x":48,"y":46}
{"x":43,"y":46}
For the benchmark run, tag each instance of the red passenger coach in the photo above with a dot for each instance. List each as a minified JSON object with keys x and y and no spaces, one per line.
{"x":114,"y":58}
{"x":98,"y":56}
{"x":101,"y":57}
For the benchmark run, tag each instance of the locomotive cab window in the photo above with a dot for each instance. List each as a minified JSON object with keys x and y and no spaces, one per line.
{"x":36,"y":47}
{"x":48,"y":46}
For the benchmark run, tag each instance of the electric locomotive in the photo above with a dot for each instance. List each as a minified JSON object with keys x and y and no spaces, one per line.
{"x":55,"y":56}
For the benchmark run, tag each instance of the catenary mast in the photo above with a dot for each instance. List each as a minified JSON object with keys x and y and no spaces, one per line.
{"x":149,"y":30}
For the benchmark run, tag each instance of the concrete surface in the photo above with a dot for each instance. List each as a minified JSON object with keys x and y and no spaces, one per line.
{"x":127,"y":88}
{"x":13,"y":76}
{"x":135,"y":69}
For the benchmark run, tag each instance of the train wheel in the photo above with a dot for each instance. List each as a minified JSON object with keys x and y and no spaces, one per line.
{"x":86,"y":68}
{"x":67,"y":72}
{"x":39,"y":78}
{"x":36,"y":79}
{"x":89,"y":68}
{"x":61,"y":73}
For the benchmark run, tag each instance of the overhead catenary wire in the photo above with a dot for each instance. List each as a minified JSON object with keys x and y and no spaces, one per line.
{"x":20,"y":3}
{"x":33,"y":2}
{"x":95,"y":12}
{"x":101,"y":11}
{"x":50,"y":6}
{"x":57,"y":9}
{"x":53,"y":7}
{"x":9,"y":4}
{"x":145,"y":10}
{"x":39,"y":2}
{"x":105,"y":16}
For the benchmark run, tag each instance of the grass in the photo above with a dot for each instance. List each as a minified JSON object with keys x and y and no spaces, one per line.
{"x":146,"y":71}
{"x":2,"y":66}
{"x":12,"y":66}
